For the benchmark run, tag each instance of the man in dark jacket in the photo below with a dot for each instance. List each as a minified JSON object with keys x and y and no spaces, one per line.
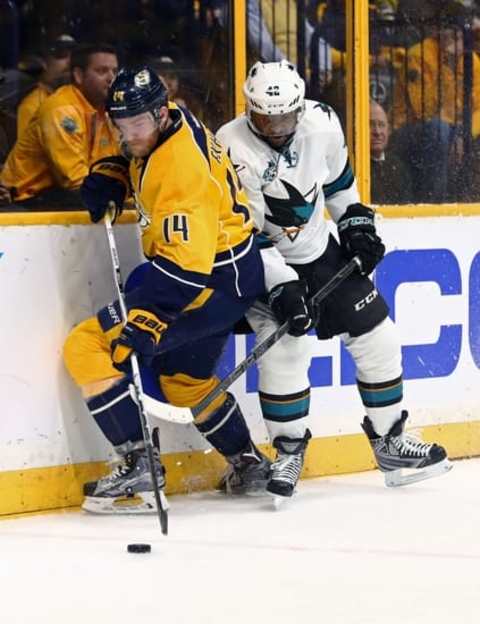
{"x":390,"y":178}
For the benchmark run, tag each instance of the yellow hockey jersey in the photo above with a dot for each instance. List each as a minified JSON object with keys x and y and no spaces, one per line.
{"x":58,"y":146}
{"x":197,"y":227}
{"x":30,"y":105}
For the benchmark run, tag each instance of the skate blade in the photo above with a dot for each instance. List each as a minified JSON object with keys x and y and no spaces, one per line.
{"x":254,"y":490}
{"x":395,"y":478}
{"x":279,"y":502}
{"x":141,"y":504}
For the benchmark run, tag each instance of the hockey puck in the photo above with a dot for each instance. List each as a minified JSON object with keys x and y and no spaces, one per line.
{"x":139,"y":548}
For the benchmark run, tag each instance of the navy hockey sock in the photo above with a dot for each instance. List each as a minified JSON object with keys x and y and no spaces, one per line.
{"x":226,"y":428}
{"x":116,"y":413}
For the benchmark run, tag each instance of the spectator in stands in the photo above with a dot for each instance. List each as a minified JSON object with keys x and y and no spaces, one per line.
{"x":390,"y":178}
{"x":328,"y":59}
{"x":167,"y":71}
{"x":3,"y":146}
{"x":428,"y":107}
{"x":56,"y":72}
{"x":69,"y":133}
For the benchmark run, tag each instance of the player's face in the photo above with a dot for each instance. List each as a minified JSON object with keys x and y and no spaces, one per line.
{"x":276,"y":129}
{"x":97,"y":77}
{"x":379,"y":130}
{"x":140,"y":133}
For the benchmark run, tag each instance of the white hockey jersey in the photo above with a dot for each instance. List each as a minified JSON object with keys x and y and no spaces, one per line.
{"x":293,"y":186}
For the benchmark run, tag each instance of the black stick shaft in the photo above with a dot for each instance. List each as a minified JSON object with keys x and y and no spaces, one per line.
{"x":264,"y":346}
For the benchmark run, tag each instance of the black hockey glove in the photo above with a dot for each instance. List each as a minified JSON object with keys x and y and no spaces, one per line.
{"x":289,"y":302}
{"x":358,"y":237}
{"x":105,"y":188}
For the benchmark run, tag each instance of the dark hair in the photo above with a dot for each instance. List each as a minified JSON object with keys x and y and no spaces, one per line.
{"x":81,"y":54}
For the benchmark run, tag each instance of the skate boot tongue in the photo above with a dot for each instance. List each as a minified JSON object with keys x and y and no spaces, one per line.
{"x":287,"y":467}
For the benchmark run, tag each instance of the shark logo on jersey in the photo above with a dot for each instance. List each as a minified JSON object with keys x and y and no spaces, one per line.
{"x":293,"y":213}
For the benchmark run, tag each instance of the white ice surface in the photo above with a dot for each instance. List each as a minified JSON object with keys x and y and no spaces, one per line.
{"x":345,"y":551}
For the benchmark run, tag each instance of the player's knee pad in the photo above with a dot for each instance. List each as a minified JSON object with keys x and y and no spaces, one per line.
{"x":86,"y":353}
{"x":377,"y":354}
{"x":225,"y":428}
{"x":284,"y":368}
{"x":116,"y":413}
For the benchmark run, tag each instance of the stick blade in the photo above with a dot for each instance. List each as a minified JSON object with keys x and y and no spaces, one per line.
{"x":165,"y":411}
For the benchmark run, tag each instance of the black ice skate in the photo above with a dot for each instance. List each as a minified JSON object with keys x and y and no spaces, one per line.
{"x":248,"y":473}
{"x":287,"y":466}
{"x":128,"y":488}
{"x":398,"y":450}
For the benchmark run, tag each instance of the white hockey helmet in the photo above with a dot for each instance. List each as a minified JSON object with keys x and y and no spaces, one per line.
{"x":275,"y":98}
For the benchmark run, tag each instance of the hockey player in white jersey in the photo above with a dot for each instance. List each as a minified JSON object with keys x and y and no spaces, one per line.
{"x":291,"y":157}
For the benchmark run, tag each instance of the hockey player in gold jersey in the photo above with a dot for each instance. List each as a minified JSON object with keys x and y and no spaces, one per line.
{"x":203,"y":271}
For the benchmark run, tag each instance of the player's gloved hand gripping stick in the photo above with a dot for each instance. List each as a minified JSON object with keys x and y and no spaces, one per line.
{"x":185,"y":415}
{"x":137,"y":380}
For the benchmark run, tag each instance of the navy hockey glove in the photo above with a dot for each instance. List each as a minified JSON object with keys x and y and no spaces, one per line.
{"x":358,"y":237}
{"x":289,"y":303}
{"x":105,"y":187}
{"x":141,"y":334}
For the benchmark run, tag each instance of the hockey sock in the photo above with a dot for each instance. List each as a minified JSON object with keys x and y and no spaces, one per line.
{"x":286,"y":414}
{"x":116,"y":413}
{"x":383,"y":402}
{"x":226,"y":429}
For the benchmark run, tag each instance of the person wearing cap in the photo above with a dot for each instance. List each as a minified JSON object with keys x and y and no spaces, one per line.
{"x":56,"y":72}
{"x":167,"y":71}
{"x":203,"y":271}
{"x":69,"y":132}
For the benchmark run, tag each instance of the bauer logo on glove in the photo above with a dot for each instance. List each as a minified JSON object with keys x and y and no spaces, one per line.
{"x":141,"y":335}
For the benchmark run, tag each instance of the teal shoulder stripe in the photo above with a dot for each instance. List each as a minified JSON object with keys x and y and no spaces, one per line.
{"x":343,"y":182}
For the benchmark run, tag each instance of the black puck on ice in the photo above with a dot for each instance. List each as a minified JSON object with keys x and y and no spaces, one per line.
{"x":139,"y":548}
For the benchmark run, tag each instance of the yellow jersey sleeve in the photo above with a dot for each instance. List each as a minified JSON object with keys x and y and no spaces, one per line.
{"x":29,"y":106}
{"x":64,"y":138}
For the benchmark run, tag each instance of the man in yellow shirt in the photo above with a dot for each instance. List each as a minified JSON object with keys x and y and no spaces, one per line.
{"x":69,"y":132}
{"x":203,"y":271}
{"x":428,"y":104}
{"x":55,"y":74}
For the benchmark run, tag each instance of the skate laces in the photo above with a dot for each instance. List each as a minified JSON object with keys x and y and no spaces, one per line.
{"x":287,"y":468}
{"x":119,"y":470}
{"x":409,"y":444}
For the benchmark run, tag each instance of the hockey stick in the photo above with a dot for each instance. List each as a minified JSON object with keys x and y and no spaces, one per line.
{"x":137,"y":380}
{"x":186,"y":415}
